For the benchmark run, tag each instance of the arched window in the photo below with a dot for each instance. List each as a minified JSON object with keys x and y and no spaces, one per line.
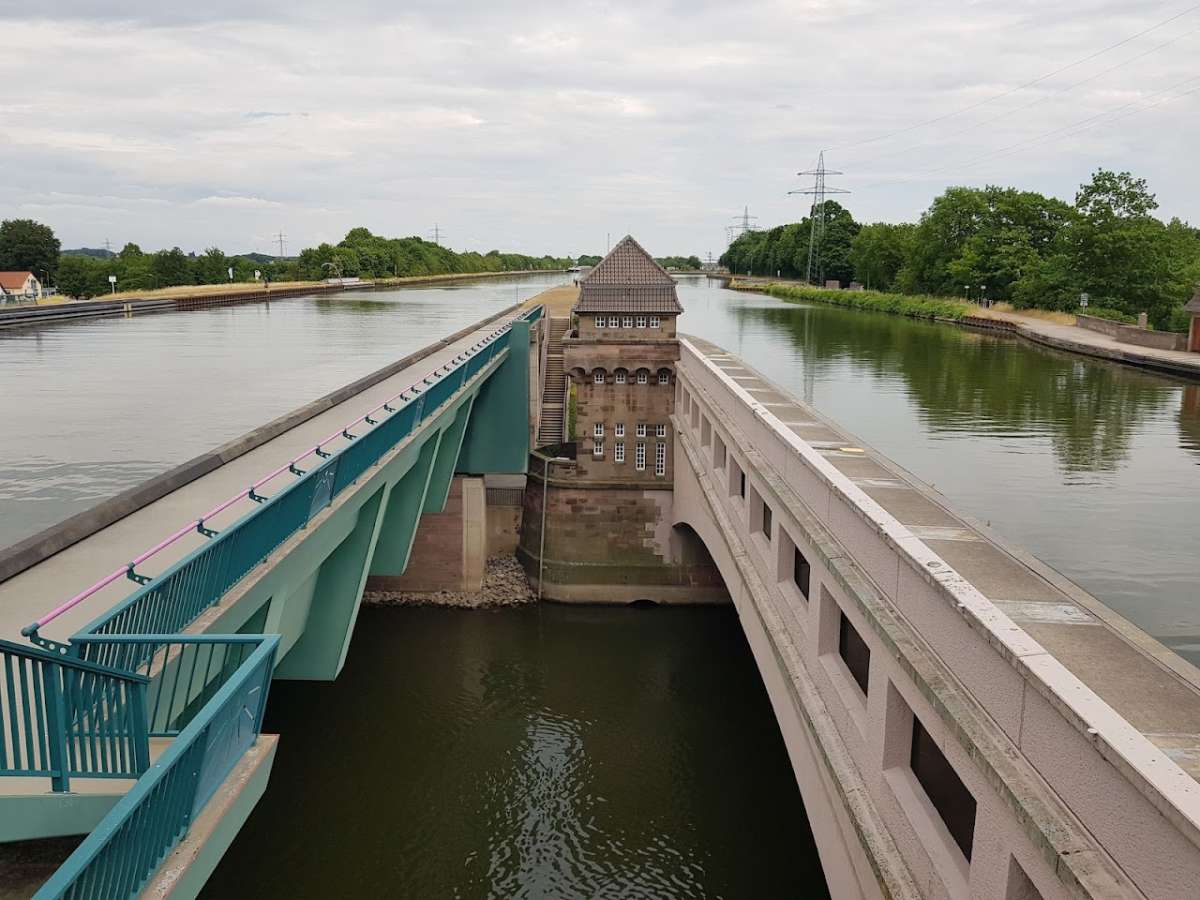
{"x":643,"y":377}
{"x":621,"y":376}
{"x":664,"y":376}
{"x":598,"y":376}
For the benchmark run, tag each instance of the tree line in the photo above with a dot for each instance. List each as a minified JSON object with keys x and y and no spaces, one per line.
{"x":29,"y":245}
{"x":1009,"y":245}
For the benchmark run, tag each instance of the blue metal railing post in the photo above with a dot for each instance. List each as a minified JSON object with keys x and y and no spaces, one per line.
{"x":56,"y":727}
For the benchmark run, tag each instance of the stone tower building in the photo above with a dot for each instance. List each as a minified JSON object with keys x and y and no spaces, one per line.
{"x":621,"y":359}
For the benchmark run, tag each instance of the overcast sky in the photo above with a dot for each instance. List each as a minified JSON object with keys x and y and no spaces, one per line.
{"x":540,"y":127}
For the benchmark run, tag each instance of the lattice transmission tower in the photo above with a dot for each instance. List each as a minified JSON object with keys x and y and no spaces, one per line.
{"x":742,"y":224}
{"x":816,"y":233}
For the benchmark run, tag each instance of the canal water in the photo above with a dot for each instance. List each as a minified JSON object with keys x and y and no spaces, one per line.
{"x":90,"y":408}
{"x":552,"y":752}
{"x":537,"y":752}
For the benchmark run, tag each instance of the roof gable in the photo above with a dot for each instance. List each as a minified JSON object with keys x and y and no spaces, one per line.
{"x":1193,"y":305}
{"x":628,"y":264}
{"x":14,"y":281}
{"x":628,"y":280}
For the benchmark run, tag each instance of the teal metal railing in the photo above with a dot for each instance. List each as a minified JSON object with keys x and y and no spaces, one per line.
{"x":119,"y":856}
{"x":131,"y":675}
{"x":62,"y":718}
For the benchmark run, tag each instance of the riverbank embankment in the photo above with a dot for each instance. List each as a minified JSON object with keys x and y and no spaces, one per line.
{"x":178,"y":299}
{"x":1046,"y":331}
{"x":504,"y":584}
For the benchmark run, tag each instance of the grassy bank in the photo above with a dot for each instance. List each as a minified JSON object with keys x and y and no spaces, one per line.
{"x":921,"y":307}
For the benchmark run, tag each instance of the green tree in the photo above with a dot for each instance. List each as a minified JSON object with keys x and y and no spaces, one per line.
{"x":82,"y":277}
{"x":878,"y":253}
{"x":29,"y":245}
{"x":170,"y":267}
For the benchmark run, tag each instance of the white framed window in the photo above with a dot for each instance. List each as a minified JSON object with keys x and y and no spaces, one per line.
{"x":619,"y":429}
{"x":642,"y":379}
{"x":598,"y":377}
{"x":641,"y":321}
{"x":627,"y":321}
{"x":660,"y":430}
{"x":664,"y":377}
{"x":641,"y":430}
{"x":660,"y":459}
{"x":598,"y":430}
{"x":619,"y":452}
{"x":620,"y":376}
{"x":639,"y":457}
{"x":598,"y":449}
{"x":601,"y":321}
{"x":655,"y":322}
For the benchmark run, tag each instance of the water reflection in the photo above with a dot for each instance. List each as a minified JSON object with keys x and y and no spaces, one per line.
{"x":540,"y":752}
{"x":968,"y":381}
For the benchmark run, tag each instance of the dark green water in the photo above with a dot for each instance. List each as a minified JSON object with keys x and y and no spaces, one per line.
{"x":545,"y":751}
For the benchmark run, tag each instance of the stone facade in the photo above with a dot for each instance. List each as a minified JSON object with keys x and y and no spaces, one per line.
{"x":621,"y":359}
{"x":609,"y":543}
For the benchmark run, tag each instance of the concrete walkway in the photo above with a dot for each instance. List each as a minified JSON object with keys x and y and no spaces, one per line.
{"x":42,"y":587}
{"x":1092,"y":343}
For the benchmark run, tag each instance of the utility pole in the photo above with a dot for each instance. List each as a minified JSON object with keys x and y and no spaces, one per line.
{"x":108,"y":247}
{"x":816,"y":232}
{"x":436,"y":235}
{"x":281,"y":237}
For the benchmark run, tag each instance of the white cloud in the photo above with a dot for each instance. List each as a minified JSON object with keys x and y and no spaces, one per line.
{"x":552,"y":124}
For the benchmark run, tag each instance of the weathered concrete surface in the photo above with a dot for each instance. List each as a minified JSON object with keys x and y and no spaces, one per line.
{"x":1067,"y":725}
{"x":185,"y":870}
{"x":46,"y":543}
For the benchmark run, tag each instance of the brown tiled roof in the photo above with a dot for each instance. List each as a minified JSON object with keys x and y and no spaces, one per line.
{"x":1193,"y":305}
{"x":628,"y":280}
{"x":13,"y":281}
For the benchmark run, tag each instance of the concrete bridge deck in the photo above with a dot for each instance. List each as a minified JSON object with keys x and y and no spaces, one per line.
{"x":40,"y":588}
{"x":1076,"y":735}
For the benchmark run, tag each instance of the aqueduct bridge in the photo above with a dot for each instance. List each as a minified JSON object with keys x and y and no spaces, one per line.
{"x":962,"y":721}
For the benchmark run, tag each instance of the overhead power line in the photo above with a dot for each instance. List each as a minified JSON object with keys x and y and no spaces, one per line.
{"x":1106,"y":117}
{"x":1004,"y":115}
{"x":1021,"y":87}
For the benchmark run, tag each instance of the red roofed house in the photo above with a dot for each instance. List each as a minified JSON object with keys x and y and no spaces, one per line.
{"x":21,"y":285}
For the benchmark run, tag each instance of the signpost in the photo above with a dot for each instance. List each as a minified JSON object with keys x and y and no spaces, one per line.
{"x":112,"y":283}
{"x":1083,"y":301}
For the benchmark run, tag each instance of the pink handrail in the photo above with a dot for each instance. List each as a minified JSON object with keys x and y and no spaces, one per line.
{"x":196,"y":524}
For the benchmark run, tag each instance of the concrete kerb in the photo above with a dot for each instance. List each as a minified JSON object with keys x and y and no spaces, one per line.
{"x":41,"y":546}
{"x":1156,"y":776}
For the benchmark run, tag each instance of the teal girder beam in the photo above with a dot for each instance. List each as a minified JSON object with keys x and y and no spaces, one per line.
{"x":402,"y":515}
{"x":445,"y":462}
{"x":320,"y":652}
{"x":497,"y":437}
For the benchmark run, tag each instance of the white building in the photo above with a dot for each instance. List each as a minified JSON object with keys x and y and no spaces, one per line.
{"x":19,"y":286}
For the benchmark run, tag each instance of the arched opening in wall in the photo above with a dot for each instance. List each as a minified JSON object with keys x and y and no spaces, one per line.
{"x":691,"y":556}
{"x":643,"y":603}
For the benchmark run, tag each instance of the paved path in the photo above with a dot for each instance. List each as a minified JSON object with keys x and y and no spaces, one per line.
{"x":1093,"y":343}
{"x":32,"y":593}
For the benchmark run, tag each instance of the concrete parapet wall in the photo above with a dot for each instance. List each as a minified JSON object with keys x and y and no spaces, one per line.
{"x":1071,"y":799}
{"x":1132,"y":334}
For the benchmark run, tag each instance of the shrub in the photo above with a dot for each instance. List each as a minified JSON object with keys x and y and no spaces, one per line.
{"x":919,"y":306}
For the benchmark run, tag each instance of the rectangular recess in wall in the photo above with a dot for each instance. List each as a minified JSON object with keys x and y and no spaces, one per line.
{"x":718,"y":453}
{"x":737,"y":479}
{"x":705,"y":431}
{"x":943,"y":787}
{"x":855,"y":654}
